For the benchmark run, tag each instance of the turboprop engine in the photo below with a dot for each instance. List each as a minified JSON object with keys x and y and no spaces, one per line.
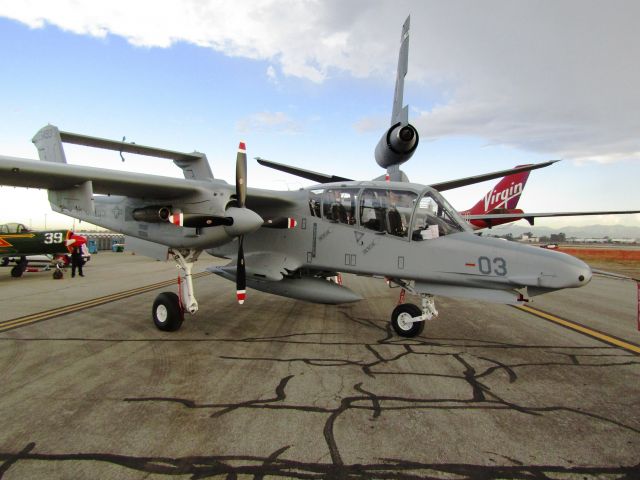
{"x":397,"y":145}
{"x":152,"y":214}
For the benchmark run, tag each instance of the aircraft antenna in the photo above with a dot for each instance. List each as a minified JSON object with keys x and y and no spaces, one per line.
{"x":122,"y":156}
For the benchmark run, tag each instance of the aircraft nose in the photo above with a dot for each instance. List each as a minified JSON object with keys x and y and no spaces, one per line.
{"x":571,"y":272}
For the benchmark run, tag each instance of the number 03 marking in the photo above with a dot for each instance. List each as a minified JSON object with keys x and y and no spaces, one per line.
{"x":497,"y":266}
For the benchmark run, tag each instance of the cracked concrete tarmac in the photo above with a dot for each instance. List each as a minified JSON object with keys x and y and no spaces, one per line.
{"x":281,"y":388}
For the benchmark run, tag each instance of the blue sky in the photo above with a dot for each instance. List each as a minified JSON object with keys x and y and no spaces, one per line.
{"x":311,"y":84}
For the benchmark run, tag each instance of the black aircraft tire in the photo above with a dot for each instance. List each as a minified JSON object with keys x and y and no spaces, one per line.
{"x":402,"y":328}
{"x":17,"y":271}
{"x":167,"y":314}
{"x":57,"y":274}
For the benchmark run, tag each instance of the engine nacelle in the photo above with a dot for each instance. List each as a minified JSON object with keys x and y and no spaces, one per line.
{"x":152,"y":214}
{"x":397,"y":145}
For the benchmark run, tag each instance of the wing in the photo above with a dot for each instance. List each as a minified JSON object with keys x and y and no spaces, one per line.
{"x":442,"y":186}
{"x":462,"y":182}
{"x":301,"y":172}
{"x":20,"y":172}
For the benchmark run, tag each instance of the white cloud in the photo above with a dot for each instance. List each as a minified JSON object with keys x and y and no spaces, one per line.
{"x":558,"y":78}
{"x":272,"y":75}
{"x":268,"y":122}
{"x":371,"y":124}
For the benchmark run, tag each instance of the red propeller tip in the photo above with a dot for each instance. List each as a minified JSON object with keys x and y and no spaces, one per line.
{"x":241,"y":294}
{"x":242,"y":148}
{"x":292,"y":223}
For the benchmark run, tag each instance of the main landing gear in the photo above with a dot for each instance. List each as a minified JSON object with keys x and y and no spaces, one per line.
{"x":168,"y":308}
{"x":408,"y":319}
{"x":20,"y":267}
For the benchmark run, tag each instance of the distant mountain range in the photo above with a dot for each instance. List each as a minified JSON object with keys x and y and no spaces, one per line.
{"x":589,"y":231}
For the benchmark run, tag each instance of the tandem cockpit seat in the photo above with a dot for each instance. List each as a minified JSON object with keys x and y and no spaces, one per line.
{"x":394,"y":223}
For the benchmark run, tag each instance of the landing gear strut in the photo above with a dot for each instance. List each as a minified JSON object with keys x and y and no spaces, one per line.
{"x":168,"y":308}
{"x":408,"y":319}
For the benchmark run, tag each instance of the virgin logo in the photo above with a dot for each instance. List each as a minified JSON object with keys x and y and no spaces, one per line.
{"x":495,"y":199}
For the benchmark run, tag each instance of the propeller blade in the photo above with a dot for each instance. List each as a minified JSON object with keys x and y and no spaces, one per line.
{"x":241,"y":279}
{"x":244,"y":220}
{"x":280,"y":222}
{"x":241,"y":175}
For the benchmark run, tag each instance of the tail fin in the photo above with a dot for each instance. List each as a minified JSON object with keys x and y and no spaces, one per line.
{"x":49,"y":144}
{"x":79,"y":197}
{"x":504,"y":196}
{"x":400,"y":141}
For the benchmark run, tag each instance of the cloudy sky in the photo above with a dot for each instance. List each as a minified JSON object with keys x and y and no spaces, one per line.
{"x":491,"y":85}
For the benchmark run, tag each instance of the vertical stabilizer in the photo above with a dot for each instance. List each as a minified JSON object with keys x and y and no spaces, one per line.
{"x":400,"y":141}
{"x":79,"y":197}
{"x":400,"y":112}
{"x":49,"y":144}
{"x":504,"y":196}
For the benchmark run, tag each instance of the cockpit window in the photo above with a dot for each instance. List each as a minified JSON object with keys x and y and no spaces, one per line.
{"x":13,"y":228}
{"x":339,"y":205}
{"x":315,"y":200}
{"x":387,"y":210}
{"x":434,"y":218}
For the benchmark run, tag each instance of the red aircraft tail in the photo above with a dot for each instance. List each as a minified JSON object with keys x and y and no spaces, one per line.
{"x":503,"y":198}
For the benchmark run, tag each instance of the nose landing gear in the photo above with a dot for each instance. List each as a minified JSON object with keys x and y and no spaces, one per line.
{"x":408,"y":319}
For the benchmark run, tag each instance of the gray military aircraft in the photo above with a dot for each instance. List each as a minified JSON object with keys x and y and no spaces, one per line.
{"x":289,"y":242}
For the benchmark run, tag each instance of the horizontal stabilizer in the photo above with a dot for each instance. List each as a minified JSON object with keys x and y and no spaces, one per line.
{"x":529,"y":215}
{"x":462,"y":182}
{"x":300,"y":172}
{"x":96,"y":142}
{"x":194,"y":165}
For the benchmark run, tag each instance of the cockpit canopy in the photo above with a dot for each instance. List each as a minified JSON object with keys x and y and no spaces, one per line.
{"x":13,"y":228}
{"x":403,"y":213}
